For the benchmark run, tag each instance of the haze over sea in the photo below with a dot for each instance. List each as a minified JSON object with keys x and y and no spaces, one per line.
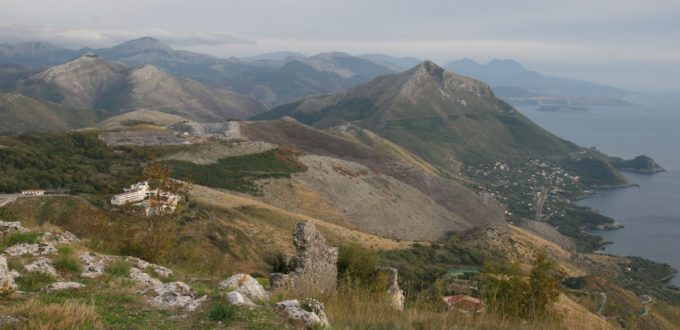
{"x":651,"y":212}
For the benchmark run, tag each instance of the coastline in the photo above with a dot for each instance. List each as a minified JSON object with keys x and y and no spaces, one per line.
{"x":594,"y":231}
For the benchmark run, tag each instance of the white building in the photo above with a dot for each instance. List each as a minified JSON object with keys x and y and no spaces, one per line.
{"x":32,"y":192}
{"x":140,"y":192}
{"x":137,"y":193}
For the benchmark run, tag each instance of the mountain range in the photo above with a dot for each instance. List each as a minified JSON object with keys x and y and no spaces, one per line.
{"x":446,"y":119}
{"x":281,"y":77}
{"x":514,"y":83}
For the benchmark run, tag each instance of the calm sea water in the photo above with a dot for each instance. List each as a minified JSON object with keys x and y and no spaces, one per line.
{"x":651,"y":212}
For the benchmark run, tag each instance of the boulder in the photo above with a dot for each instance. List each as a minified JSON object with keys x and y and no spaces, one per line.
{"x":41,"y":265}
{"x":141,"y":277}
{"x":147,"y":266}
{"x":316,"y":270}
{"x":94,"y":264}
{"x":177,"y":295}
{"x":38,"y":249}
{"x":60,"y":286}
{"x":7,"y":227}
{"x":236,"y":298}
{"x":6,"y":279}
{"x":247,"y":286}
{"x":296,"y":311}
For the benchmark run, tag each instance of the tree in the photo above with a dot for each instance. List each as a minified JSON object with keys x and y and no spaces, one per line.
{"x":510,"y":294}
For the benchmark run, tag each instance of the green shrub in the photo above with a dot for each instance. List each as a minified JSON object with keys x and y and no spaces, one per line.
{"x":32,"y":282}
{"x":356,"y":265}
{"x":280,"y":263}
{"x":15,"y":238}
{"x":119,"y":268}
{"x":222,"y":311}
{"x":511,"y":295}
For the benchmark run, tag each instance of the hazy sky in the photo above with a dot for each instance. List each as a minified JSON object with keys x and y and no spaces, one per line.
{"x":627,"y":43}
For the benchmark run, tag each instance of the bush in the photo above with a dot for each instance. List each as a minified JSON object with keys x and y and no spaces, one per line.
{"x":356,"y":265}
{"x":280,"y":263}
{"x":119,"y":268}
{"x":511,"y":295}
{"x":222,"y":311}
{"x":15,"y":238}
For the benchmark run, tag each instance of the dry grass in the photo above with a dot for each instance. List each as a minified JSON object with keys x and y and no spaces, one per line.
{"x":358,"y":309}
{"x":226,"y":200}
{"x":68,"y":315}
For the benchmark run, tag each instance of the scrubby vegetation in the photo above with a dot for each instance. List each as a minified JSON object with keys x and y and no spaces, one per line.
{"x":238,"y":173}
{"x":74,"y":161}
{"x":421,"y":265}
{"x":512,"y":295}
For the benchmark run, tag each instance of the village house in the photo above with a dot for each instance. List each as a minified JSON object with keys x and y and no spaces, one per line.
{"x":464,"y":304}
{"x":33,"y":192}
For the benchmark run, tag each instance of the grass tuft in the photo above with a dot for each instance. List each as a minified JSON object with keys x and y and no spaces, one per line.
{"x":222,"y":312}
{"x":32,"y":282}
{"x":65,"y":262}
{"x":119,"y":268}
{"x":15,"y":238}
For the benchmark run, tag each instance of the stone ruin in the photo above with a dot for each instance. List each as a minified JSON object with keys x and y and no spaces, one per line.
{"x":316,"y":269}
{"x":395,"y":294}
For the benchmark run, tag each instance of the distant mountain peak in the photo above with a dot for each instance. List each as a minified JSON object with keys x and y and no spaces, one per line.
{"x":506,"y":64}
{"x":430,"y":68}
{"x":142,"y":44}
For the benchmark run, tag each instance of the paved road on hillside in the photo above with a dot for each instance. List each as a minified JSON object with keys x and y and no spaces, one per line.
{"x":6,"y":199}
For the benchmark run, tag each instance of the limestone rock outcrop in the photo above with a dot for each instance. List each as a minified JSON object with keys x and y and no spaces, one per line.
{"x":236,"y":298}
{"x":94,"y":264}
{"x":316,"y":270}
{"x":247,"y":286}
{"x":60,"y":238}
{"x":310,"y":312}
{"x":177,"y":295}
{"x":7,"y":227}
{"x":41,"y":265}
{"x":141,"y":277}
{"x":37,"y":249}
{"x":147,"y":266}
{"x":60,"y":286}
{"x":6,"y":279}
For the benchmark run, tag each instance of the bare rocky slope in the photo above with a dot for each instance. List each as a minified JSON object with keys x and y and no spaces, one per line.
{"x":375,"y":170}
{"x":90,"y":82}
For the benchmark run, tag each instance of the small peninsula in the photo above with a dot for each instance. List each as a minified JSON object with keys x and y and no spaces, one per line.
{"x":640,"y":164}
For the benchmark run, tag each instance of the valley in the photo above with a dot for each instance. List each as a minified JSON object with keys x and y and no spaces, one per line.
{"x":396,"y":166}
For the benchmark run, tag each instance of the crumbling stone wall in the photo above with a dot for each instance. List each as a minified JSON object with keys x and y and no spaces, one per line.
{"x":395,"y":294}
{"x":316,"y":270}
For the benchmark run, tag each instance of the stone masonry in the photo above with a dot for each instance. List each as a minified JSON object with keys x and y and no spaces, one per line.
{"x":316,"y":270}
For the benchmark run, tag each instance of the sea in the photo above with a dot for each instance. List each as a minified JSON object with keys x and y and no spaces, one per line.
{"x":650,"y":212}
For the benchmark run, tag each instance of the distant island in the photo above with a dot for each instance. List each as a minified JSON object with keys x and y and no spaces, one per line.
{"x":563,"y":109}
{"x":640,"y":164}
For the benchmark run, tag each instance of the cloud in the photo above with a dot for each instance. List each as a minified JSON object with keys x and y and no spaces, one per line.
{"x":86,"y":37}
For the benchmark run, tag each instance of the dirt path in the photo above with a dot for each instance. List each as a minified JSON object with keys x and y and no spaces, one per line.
{"x":600,"y":309}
